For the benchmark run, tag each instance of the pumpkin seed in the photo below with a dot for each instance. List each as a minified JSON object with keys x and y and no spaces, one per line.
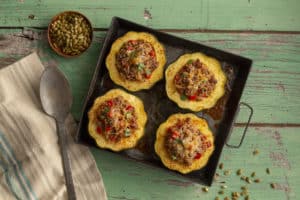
{"x":255,"y":152}
{"x":273,"y":185}
{"x":268,"y":171}
{"x":205,"y":189}
{"x":223,"y":186}
{"x":239,"y":172}
{"x":248,"y":180}
{"x":226,"y":172}
{"x":253,"y":174}
{"x":221,"y":165}
{"x":244,"y":188}
{"x":221,"y":192}
{"x":217,"y":198}
{"x":257,"y":180}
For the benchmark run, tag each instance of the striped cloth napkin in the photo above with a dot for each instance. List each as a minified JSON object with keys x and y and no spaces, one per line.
{"x":30,"y":160}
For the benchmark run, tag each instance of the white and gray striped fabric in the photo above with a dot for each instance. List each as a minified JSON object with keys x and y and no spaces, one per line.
{"x":30,"y":161}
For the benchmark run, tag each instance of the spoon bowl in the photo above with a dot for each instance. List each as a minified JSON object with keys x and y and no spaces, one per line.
{"x":55,"y":93}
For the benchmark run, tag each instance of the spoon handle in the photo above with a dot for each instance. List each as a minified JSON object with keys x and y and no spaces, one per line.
{"x":62,"y":139}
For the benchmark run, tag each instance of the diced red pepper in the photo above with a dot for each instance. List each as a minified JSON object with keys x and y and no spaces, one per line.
{"x":175,"y":135}
{"x":193,"y":97}
{"x":109,"y":114}
{"x":198,"y":156}
{"x":113,"y":137}
{"x":177,"y":77}
{"x":99,"y":130}
{"x":129,"y":48}
{"x":107,"y":128}
{"x":152,"y":53}
{"x":110,"y":103}
{"x":148,"y":76}
{"x":129,"y":107}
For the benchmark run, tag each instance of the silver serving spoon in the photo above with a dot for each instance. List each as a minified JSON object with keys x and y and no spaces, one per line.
{"x":56,"y":97}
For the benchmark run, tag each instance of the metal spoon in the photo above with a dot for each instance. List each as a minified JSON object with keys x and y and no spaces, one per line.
{"x":56,"y":97}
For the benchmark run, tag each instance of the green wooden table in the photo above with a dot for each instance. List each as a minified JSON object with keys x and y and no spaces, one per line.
{"x":266,"y":31}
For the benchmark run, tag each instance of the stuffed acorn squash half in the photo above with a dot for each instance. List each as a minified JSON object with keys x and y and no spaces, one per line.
{"x":136,"y":61}
{"x":195,"y":81}
{"x":117,"y":120}
{"x":184,"y":143}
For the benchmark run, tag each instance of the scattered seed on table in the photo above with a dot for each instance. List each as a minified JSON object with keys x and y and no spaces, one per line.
{"x":243,"y":178}
{"x":217,"y":198}
{"x":247,"y":197}
{"x":244,"y":188}
{"x":248,"y":180}
{"x":221,"y":192}
{"x":272,"y":185}
{"x":239,"y":172}
{"x":226,"y":198}
{"x":253,"y":174}
{"x":255,"y":152}
{"x":235,"y":194}
{"x":226,"y":172}
{"x":268,"y":171}
{"x":221,"y":165}
{"x":223,"y":186}
{"x":257,"y":180}
{"x":205,"y":189}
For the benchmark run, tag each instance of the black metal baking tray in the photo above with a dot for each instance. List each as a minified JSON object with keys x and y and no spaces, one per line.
{"x":159,"y":107}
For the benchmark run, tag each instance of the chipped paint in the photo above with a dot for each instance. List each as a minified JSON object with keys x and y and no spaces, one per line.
{"x":11,"y":44}
{"x":280,"y":86}
{"x":179,"y":183}
{"x":277,"y":137}
{"x":280,"y":160}
{"x":147,"y":14}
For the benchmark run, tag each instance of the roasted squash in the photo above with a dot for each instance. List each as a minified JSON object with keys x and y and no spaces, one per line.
{"x":162,"y":136}
{"x":212,"y":65}
{"x":152,"y":77}
{"x":124,"y":142}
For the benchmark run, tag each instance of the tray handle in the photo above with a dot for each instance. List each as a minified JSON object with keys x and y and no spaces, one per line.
{"x":245,"y":130}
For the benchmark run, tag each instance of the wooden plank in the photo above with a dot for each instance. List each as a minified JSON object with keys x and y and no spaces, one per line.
{"x":272,"y":89}
{"x":278,"y":152}
{"x":280,"y":15}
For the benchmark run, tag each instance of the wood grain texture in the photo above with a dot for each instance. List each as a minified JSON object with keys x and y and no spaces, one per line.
{"x":272,"y":89}
{"x":277,"y":151}
{"x":279,"y":15}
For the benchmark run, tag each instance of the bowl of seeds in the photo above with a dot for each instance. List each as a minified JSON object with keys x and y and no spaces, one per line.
{"x":70,"y":33}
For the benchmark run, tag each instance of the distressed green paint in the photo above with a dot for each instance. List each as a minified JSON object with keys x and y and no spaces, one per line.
{"x":279,"y":15}
{"x":274,"y":79}
{"x":277,"y":150}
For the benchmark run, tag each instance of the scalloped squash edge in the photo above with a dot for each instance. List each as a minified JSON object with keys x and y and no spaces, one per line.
{"x":124,"y":143}
{"x":213,"y":66}
{"x":163,"y":154}
{"x":156,"y":75}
